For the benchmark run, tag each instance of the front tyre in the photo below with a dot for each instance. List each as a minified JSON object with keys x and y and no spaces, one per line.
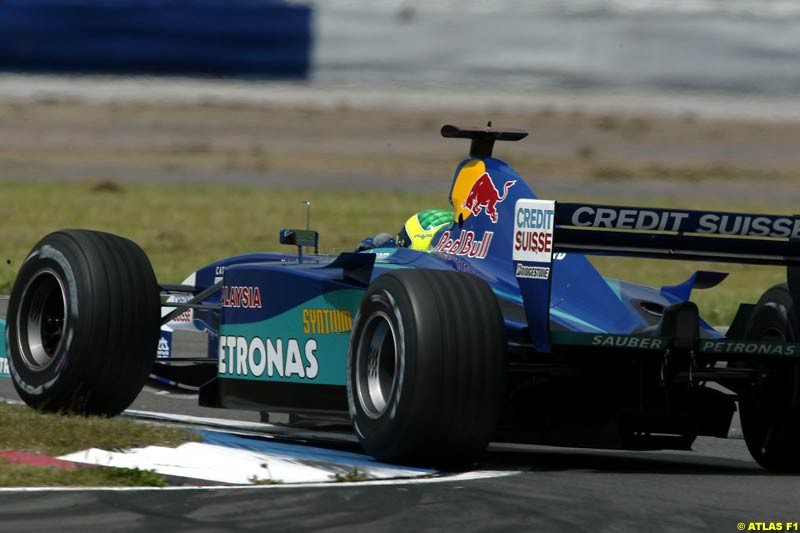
{"x":426,"y":367}
{"x":769,"y":413}
{"x":83,"y":323}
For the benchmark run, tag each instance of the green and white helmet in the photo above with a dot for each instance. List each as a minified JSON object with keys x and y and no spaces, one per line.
{"x":419,"y":230}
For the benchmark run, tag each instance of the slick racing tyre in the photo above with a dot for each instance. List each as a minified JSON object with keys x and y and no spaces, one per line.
{"x":426,"y":367}
{"x":83,"y":323}
{"x":769,"y":414}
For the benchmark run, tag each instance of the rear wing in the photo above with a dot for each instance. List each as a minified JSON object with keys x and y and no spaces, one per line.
{"x":543,"y":226}
{"x":678,"y":234}
{"x":482,"y":138}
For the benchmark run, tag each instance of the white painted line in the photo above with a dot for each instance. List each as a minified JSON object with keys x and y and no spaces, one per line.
{"x":458,"y":478}
{"x":206,"y":462}
{"x":210,"y":462}
{"x":260,"y":428}
{"x":200,"y":420}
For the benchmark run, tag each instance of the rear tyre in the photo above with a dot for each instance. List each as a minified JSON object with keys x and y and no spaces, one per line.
{"x":83,"y":323}
{"x":426,"y":367}
{"x":769,"y":414}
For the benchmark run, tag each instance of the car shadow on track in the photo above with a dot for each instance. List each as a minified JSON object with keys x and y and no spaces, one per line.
{"x":622,"y":462}
{"x":723,"y":459}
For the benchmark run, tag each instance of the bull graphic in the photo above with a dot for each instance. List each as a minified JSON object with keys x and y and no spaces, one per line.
{"x":485,"y":195}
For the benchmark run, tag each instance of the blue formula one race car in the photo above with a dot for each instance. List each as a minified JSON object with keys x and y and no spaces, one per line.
{"x":499,"y":329}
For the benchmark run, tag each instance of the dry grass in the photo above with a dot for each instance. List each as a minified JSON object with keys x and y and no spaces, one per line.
{"x":23,"y":429}
{"x":183,"y":227}
{"x":19,"y":475}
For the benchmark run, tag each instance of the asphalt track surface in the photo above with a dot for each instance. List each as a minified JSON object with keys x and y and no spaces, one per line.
{"x":712,"y":488}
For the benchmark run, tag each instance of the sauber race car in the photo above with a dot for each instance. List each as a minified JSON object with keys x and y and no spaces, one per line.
{"x":500,"y":330}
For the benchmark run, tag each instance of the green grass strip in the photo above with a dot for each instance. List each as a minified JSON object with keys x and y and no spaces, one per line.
{"x":24,"y":429}
{"x":183,"y":227}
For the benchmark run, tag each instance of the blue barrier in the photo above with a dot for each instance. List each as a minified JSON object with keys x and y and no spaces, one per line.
{"x":266,"y":39}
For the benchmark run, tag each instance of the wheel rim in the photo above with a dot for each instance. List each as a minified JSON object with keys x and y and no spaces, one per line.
{"x":773,"y":334}
{"x":41,"y":320}
{"x":377,"y":363}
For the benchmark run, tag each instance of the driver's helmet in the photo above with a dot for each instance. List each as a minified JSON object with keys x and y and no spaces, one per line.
{"x":419,"y":230}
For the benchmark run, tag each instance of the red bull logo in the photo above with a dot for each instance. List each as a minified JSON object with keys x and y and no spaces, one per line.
{"x":474,"y":192}
{"x":484,"y":196}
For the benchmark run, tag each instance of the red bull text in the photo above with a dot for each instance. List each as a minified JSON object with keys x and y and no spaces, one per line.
{"x":466,"y":244}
